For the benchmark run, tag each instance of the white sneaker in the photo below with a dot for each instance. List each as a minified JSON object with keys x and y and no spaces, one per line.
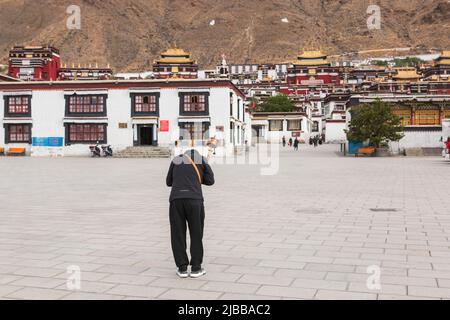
{"x":182,"y":274}
{"x":197,"y":274}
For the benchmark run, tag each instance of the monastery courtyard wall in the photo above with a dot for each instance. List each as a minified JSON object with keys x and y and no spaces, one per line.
{"x":325,"y":220}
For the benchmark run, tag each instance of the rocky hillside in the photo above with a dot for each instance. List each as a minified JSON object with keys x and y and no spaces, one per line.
{"x":129,"y":34}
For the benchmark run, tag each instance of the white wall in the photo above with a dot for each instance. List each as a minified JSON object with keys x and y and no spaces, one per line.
{"x":48,"y":113}
{"x":119,"y":111}
{"x":169,"y":109}
{"x":335,"y":132}
{"x":277,"y":136}
{"x":419,"y":139}
{"x":446,"y":129}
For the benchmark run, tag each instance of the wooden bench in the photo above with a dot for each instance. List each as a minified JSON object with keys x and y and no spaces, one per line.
{"x":366,"y":151}
{"x":16,"y":152}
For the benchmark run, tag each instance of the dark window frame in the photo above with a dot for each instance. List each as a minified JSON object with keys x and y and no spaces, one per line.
{"x":86,"y":114}
{"x":8,"y":114}
{"x":289,"y":128}
{"x":231,"y":104}
{"x":181,"y":96}
{"x":8,"y":126}
{"x":69,"y":142}
{"x":271,"y":128}
{"x":315,"y":126}
{"x":144,"y":94}
{"x":239,"y":109}
{"x":232,"y":137}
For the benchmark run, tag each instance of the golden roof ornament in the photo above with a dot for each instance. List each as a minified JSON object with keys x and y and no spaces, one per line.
{"x":175,"y":55}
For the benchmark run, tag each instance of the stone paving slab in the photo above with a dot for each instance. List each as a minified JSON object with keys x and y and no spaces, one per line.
{"x":309,"y":232}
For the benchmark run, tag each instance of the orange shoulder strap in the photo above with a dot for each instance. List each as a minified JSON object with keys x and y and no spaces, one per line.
{"x":196,"y":169}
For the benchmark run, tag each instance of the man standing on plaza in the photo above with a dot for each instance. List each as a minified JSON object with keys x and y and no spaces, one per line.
{"x":296,"y":142}
{"x":186,"y":175}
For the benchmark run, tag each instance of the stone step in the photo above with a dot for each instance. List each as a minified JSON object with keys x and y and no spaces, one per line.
{"x":144,"y":152}
{"x":147,"y":148}
{"x":152,"y":152}
{"x":142,"y":156}
{"x":134,"y":152}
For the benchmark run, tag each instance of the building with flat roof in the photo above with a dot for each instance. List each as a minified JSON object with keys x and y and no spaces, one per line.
{"x":441,"y":69}
{"x":422,"y":116}
{"x":271,"y":127}
{"x":37,"y":63}
{"x":85,"y":72}
{"x":175,"y":63}
{"x":75,"y":114}
{"x":313,"y":67}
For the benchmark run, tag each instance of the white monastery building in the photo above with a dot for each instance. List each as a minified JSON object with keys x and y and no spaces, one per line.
{"x":67,"y":116}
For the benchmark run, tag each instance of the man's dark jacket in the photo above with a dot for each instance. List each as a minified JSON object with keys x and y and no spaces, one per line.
{"x":183,"y":178}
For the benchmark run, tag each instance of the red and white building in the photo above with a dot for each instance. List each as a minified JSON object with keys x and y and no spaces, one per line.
{"x":34,"y":63}
{"x":68,"y":116}
{"x":175,"y":63}
{"x":85,"y":73}
{"x":312,"y":68}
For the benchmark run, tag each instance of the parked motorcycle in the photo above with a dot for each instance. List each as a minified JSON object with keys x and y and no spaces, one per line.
{"x":107,"y":151}
{"x":95,"y":151}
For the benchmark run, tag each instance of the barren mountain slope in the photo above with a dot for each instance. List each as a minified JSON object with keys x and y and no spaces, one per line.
{"x":129,"y":34}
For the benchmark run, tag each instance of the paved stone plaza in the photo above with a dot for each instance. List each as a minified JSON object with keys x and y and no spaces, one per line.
{"x":309,"y":232}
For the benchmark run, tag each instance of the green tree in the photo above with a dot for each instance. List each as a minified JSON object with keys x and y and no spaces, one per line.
{"x":408,"y":62}
{"x":400,"y":62}
{"x":278,"y":103}
{"x":374,"y":122}
{"x":380,"y":63}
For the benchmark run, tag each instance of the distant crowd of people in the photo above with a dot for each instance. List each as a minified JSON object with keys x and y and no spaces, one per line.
{"x":313,"y":141}
{"x":291,"y":143}
{"x":316,"y":140}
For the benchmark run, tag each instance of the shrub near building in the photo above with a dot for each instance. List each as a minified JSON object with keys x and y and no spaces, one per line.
{"x":374,"y":123}
{"x":278,"y":103}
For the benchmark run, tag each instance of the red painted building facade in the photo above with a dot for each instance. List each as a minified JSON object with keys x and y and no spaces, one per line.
{"x":34,"y":63}
{"x":312,"y":68}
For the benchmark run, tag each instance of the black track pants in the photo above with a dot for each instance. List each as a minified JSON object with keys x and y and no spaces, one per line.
{"x":192,"y":212}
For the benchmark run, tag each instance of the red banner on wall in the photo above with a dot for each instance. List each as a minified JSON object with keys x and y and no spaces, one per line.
{"x":164,"y":126}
